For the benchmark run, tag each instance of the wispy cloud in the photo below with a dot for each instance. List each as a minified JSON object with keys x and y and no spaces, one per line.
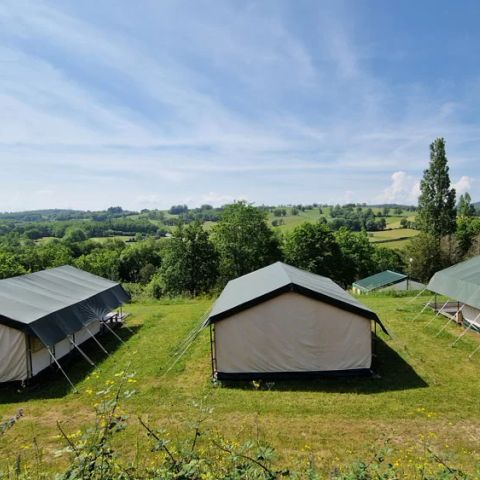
{"x":158,"y":102}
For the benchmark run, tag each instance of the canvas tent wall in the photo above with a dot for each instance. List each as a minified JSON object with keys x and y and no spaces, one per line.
{"x":49,"y":312}
{"x":281,"y":321}
{"x":461,"y":282}
{"x":403,"y":286}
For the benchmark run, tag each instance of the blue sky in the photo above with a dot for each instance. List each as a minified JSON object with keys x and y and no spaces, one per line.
{"x":152,"y":103}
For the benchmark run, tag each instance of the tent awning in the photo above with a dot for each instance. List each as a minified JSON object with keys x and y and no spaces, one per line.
{"x":54,"y":303}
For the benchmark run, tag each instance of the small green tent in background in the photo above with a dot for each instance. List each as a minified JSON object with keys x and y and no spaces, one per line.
{"x":386,"y":280}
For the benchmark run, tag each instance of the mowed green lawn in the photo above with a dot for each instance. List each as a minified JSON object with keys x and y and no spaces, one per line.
{"x":427,"y":394}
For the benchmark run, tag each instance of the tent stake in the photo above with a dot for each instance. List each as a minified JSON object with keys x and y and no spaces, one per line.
{"x":61,"y":369}
{"x":470,"y":324}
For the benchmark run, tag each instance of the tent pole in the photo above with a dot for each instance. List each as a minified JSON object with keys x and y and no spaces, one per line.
{"x":61,"y":369}
{"x":105,"y":323}
{"x":466,"y":330}
{"x":212,"y":355}
{"x":127,"y":327}
{"x":474,"y":352}
{"x":449,"y":320}
{"x":29,"y":356}
{"x":416,"y":296}
{"x":423,"y":309}
{"x":96,"y":340}
{"x":84,"y":355}
{"x":438,"y":313}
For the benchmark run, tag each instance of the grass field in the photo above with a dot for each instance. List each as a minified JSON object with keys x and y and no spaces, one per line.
{"x":428,"y":393}
{"x":396,"y":238}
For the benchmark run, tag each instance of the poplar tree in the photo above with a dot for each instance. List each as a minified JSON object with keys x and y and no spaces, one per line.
{"x":436,"y":204}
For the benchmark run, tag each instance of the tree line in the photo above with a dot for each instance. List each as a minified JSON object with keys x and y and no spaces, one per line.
{"x":196,"y":261}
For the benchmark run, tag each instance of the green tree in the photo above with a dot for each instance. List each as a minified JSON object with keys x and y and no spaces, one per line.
{"x":436,"y":204}
{"x":386,"y":259}
{"x":135,"y":257}
{"x":50,"y":254}
{"x":244,"y":241}
{"x":312,"y":247}
{"x":357,"y":252}
{"x":102,"y":262}
{"x":190,"y":262}
{"x":10,"y":265}
{"x":465,"y":206}
{"x":468,"y":228}
{"x":74,"y":234}
{"x":425,"y":256}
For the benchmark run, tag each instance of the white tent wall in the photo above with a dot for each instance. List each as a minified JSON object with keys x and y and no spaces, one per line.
{"x":292,"y":333}
{"x":471,"y":314}
{"x":13,"y":355}
{"x":41,"y":359}
{"x":404,"y":285}
{"x":63,"y":348}
{"x":84,"y":334}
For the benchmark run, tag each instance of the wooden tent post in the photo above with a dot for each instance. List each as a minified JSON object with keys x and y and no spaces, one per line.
{"x":212,"y":349}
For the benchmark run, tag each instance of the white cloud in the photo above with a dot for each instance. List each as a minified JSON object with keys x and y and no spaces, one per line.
{"x":464,"y":184}
{"x":218,"y":199}
{"x":205,"y":97}
{"x":403,"y":189}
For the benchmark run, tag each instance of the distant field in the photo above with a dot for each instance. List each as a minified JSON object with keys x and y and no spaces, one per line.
{"x":125,"y":238}
{"x":289,"y":222}
{"x":393,"y":238}
{"x":426,"y":395}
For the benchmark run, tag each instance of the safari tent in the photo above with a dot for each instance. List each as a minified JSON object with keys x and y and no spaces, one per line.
{"x":47,"y":314}
{"x":280,"y":321}
{"x":387,"y":280}
{"x":461,"y":282}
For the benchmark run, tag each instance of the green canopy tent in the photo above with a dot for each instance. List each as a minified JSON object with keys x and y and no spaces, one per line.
{"x":44,"y":315}
{"x":461,"y":282}
{"x":387,"y":280}
{"x":280,"y":321}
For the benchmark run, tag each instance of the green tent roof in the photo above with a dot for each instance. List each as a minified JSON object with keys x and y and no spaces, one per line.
{"x":54,"y":303}
{"x":278,"y":278}
{"x":379,"y":280}
{"x":461,"y":282}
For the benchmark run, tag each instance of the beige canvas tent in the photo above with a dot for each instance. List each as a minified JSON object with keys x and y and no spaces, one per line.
{"x":45,"y":315}
{"x":280,"y":321}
